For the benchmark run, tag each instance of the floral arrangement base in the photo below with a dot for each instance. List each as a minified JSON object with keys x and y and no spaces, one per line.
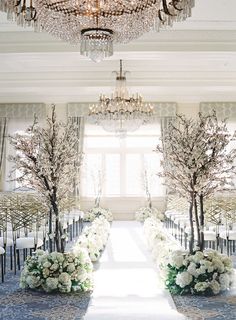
{"x":143,"y":213}
{"x":94,"y":238}
{"x":97,"y":212}
{"x":200,"y":273}
{"x":58,"y":272}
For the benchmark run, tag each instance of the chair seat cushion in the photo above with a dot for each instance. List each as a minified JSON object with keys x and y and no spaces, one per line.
{"x":28,"y":243}
{"x":7,"y":241}
{"x":209,"y":235}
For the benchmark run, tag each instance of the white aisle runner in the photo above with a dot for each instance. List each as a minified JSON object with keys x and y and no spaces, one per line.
{"x":126,"y":283}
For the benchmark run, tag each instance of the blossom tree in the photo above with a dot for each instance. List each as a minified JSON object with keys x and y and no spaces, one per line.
{"x":196,"y":164}
{"x":147,"y":188}
{"x":46,"y":158}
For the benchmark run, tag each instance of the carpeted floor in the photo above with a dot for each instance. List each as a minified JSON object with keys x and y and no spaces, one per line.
{"x":207,"y":308}
{"x":126,"y":287}
{"x":17,"y":304}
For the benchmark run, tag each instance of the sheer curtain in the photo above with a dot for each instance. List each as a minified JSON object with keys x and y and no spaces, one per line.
{"x":79,"y":121}
{"x":15,"y":117}
{"x":3,"y":134}
{"x":224,"y":111}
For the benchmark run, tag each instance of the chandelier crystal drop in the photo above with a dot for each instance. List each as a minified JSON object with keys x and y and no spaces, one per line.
{"x":121,"y":113}
{"x":97,"y":24}
{"x":23,"y":12}
{"x":96,"y":44}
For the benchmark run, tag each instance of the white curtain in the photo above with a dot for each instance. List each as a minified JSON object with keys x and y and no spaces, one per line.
{"x":3,"y":134}
{"x":79,"y":121}
{"x":17,"y":116}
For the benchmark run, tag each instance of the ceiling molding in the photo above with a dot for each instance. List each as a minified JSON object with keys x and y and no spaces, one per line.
{"x":193,"y":61}
{"x":171,"y":40}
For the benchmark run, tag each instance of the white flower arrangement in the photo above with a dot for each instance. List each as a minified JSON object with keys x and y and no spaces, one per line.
{"x":94,"y":238}
{"x":143,"y":213}
{"x":63,"y":272}
{"x":159,"y":242}
{"x":207,"y":272}
{"x":96,"y":212}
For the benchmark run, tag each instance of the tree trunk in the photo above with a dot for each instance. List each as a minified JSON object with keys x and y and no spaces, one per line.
{"x":202,"y":222}
{"x":197,"y":220}
{"x":57,"y":235}
{"x":191,"y":240}
{"x":63,"y":240}
{"x":149,"y":200}
{"x":60,"y":242}
{"x":50,"y":230}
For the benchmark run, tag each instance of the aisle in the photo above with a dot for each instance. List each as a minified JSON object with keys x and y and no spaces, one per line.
{"x":126,"y":282}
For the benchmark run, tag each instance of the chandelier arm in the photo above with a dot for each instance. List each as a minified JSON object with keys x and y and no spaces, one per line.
{"x":160,"y":16}
{"x":18,"y":2}
{"x":166,"y":9}
{"x":175,"y":5}
{"x":34,"y":17}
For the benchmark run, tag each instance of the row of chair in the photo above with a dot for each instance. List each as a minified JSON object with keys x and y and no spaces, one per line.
{"x":221,"y":237}
{"x":17,"y":244}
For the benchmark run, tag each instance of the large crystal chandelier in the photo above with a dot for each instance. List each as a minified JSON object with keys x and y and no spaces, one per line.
{"x":121,"y":113}
{"x":97,"y":24}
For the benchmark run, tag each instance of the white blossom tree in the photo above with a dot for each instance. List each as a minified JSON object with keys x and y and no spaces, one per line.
{"x":46,"y":158}
{"x":146,"y":178}
{"x":196,"y":164}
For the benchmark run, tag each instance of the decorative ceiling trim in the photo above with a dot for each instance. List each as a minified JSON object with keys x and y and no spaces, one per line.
{"x":162,"y":109}
{"x":223,"y":109}
{"x":22,"y":110}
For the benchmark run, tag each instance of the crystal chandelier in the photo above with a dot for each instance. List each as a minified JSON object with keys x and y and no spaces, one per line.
{"x":121,"y":113}
{"x":97,"y":24}
{"x":21,"y":11}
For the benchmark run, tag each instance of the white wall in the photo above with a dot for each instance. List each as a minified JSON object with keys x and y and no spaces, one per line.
{"x":123,"y":208}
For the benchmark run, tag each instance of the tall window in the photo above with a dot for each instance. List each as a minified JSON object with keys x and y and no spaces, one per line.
{"x":14,"y":126}
{"x":118,"y":165}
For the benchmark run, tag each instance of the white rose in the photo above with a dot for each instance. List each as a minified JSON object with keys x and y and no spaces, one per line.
{"x":215,"y":286}
{"x":52,"y":283}
{"x":64,"y":278}
{"x":198,"y":257}
{"x":47,"y":264}
{"x":32,"y":281}
{"x":200,"y":270}
{"x":201,"y":286}
{"x":54,"y":266}
{"x":224,"y":280}
{"x":183,"y":279}
{"x":46,"y":272}
{"x":192,"y":269}
{"x":71,"y":267}
{"x":177,"y":259}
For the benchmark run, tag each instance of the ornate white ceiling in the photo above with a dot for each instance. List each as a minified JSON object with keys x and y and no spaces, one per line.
{"x":194,"y":61}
